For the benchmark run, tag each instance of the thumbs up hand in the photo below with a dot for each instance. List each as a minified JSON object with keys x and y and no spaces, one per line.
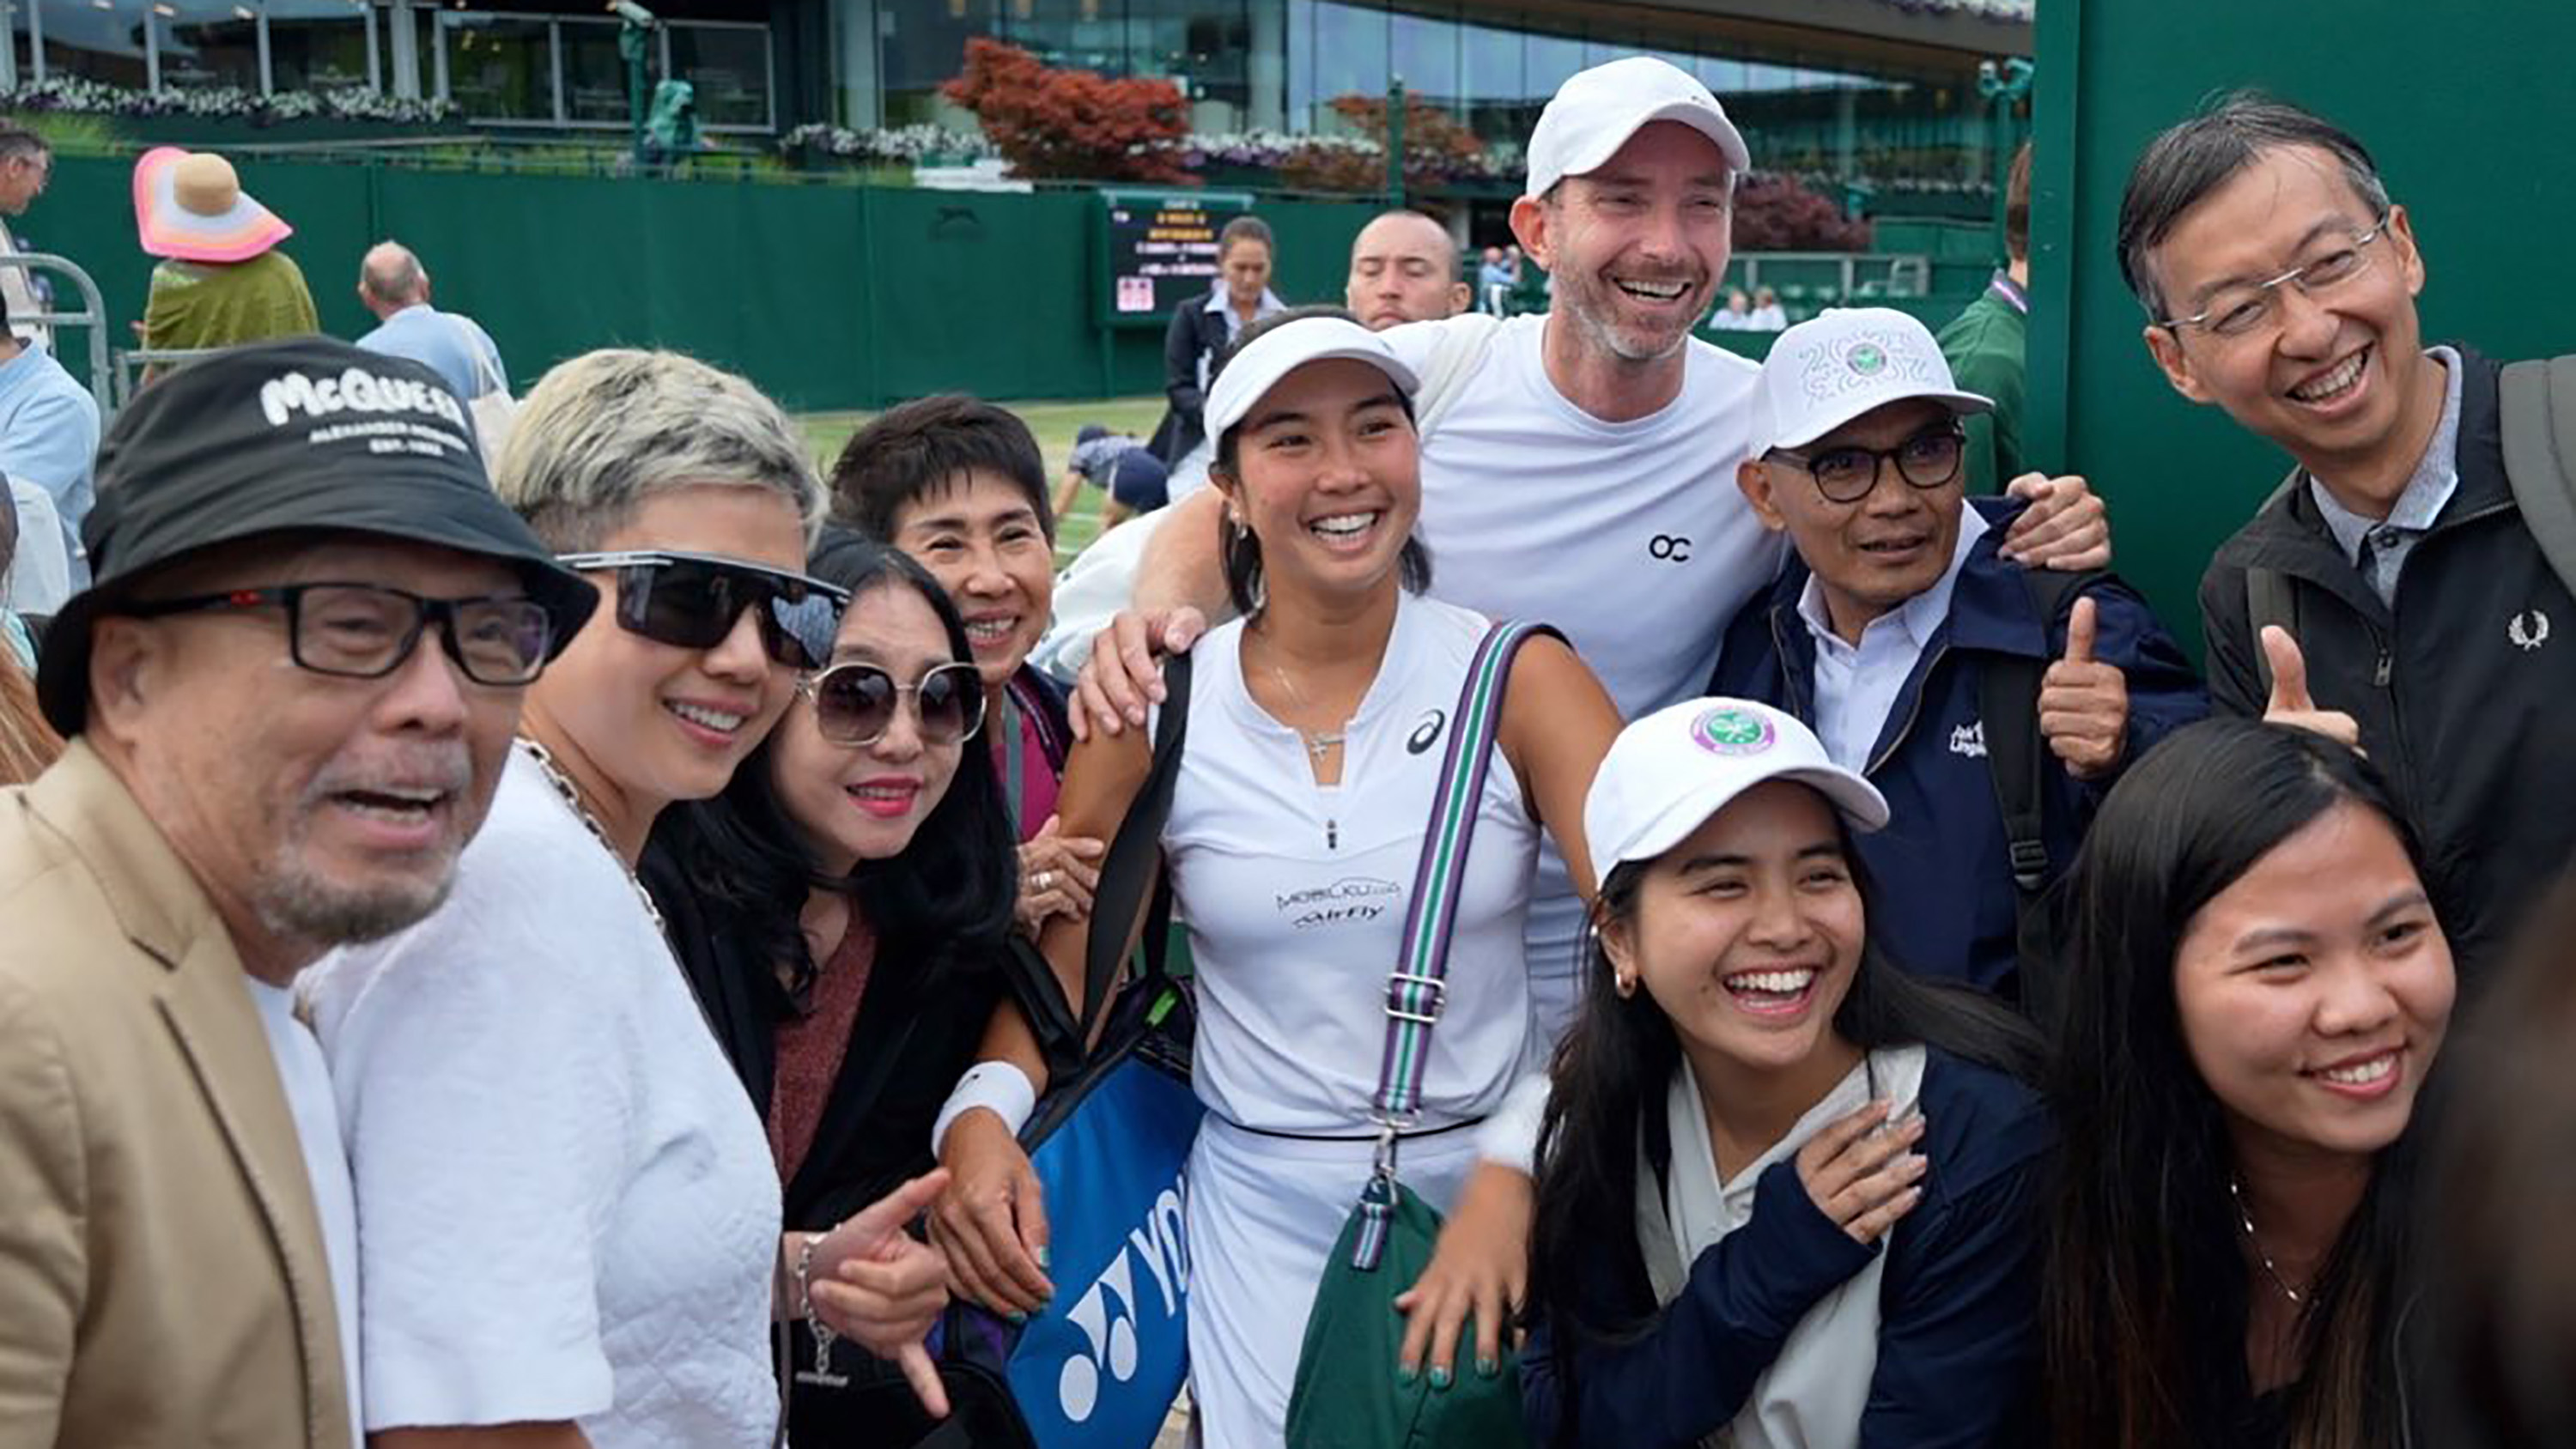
{"x":2084,"y":703}
{"x":2290,"y":703}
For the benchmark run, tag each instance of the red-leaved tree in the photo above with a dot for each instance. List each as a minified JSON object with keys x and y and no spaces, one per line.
{"x":1437,"y":147}
{"x":1071,"y":124}
{"x":1776,"y":213}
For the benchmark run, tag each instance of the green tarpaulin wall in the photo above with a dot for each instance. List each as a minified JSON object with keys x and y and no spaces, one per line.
{"x":827,"y":296}
{"x":2458,"y":102}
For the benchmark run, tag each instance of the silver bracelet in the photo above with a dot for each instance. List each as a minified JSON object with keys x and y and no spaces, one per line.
{"x":824,"y":1336}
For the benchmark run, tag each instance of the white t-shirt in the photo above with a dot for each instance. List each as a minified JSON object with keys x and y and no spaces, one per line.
{"x":567,"y":1207}
{"x":1631,"y":537}
{"x":300,"y":1070}
{"x":1295,"y":893}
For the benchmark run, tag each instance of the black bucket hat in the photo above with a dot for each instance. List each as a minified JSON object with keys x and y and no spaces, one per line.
{"x":307,"y":435}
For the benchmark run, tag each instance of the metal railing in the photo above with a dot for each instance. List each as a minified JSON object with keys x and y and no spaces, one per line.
{"x":93,"y":316}
{"x":1896,"y":274}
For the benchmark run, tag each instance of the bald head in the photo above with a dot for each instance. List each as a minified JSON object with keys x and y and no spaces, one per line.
{"x":390,"y":279}
{"x":1404,"y":269}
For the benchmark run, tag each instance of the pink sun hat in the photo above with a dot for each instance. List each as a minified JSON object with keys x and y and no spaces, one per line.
{"x":190,"y":206}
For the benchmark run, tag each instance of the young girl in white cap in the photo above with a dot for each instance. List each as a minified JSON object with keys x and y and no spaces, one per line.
{"x":1785,"y":1190}
{"x":1316,"y":737}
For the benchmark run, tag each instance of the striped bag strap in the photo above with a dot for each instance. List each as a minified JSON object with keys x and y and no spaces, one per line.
{"x":1419,"y":985}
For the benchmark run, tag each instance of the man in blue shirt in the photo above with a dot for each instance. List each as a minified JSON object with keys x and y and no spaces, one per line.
{"x":394,"y":286}
{"x":48,"y":436}
{"x":1900,"y":608}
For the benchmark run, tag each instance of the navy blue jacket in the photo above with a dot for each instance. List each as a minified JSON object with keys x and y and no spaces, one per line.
{"x":1943,"y":866}
{"x":1958,"y":1337}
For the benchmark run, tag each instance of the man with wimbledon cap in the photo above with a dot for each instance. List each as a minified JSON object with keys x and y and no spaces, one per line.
{"x":1584,"y":474}
{"x":1887,"y":629}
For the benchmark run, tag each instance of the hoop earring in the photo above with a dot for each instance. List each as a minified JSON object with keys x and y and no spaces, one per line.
{"x":1624,"y":984}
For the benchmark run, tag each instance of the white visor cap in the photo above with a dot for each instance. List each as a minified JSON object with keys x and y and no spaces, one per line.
{"x":1249,"y":375}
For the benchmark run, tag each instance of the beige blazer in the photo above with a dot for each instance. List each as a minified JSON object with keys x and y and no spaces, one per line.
{"x":162,"y":1275}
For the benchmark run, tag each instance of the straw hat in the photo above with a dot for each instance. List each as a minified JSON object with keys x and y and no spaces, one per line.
{"x":190,"y":205}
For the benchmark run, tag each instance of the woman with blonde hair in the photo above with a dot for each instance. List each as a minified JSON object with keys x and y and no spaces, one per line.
{"x":571,"y":1226}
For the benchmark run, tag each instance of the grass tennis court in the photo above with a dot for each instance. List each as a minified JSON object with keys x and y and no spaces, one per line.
{"x":1055,"y":423}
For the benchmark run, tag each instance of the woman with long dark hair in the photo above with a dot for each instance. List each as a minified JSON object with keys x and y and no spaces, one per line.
{"x":841,"y":910}
{"x":1786,"y":1191}
{"x":2256,"y":988}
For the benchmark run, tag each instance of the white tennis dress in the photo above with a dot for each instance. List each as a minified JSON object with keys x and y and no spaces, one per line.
{"x":1295,"y":895}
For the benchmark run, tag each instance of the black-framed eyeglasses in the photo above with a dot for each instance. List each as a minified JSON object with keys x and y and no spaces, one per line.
{"x":366,"y":631}
{"x":1929,"y":459}
{"x":693,"y":600}
{"x":854,"y":703}
{"x":2251,"y":307}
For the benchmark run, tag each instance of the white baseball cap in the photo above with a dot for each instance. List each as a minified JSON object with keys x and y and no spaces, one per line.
{"x":1595,"y":112}
{"x":1843,"y":362}
{"x":1249,"y":375}
{"x":1668,"y":773}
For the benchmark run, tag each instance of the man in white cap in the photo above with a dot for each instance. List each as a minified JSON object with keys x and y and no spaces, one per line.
{"x":1578,"y":466}
{"x":1991,"y":704}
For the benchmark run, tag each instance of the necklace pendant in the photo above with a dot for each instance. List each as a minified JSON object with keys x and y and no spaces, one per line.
{"x":1322,"y":745}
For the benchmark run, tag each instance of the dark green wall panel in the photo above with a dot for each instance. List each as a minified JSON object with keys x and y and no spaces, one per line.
{"x":2458,"y":102}
{"x":827,"y":296}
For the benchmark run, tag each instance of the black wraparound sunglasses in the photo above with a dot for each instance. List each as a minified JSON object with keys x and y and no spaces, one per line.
{"x":693,"y":600}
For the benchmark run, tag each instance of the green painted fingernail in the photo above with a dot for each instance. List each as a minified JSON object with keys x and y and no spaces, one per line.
{"x":1439,"y":1377}
{"x":1045,"y":1258}
{"x":1486,"y":1368}
{"x":1017,"y":1317}
{"x":1406,"y":1373}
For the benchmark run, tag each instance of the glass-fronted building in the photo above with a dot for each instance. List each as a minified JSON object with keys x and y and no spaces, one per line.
{"x":538,"y":66}
{"x":1864,"y":90}
{"x":1879,"y":91}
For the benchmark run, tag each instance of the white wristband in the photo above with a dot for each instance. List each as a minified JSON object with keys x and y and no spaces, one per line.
{"x":999,"y":1088}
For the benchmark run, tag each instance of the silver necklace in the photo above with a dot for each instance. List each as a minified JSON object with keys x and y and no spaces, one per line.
{"x":571,"y":794}
{"x":2236,"y":1194}
{"x":1317,"y":745}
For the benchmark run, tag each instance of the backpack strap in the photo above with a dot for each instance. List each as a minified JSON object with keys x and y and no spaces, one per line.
{"x":2018,"y":761}
{"x":2538,"y":400}
{"x":2269,"y":599}
{"x":1419,"y":985}
{"x":2016,"y":754}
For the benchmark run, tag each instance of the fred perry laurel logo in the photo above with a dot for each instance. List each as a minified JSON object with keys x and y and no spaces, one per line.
{"x":2528,"y":630}
{"x":1729,"y":731}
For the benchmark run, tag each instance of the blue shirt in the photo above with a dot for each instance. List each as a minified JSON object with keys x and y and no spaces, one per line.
{"x":448,"y":342}
{"x":49,"y":437}
{"x":2436,"y":478}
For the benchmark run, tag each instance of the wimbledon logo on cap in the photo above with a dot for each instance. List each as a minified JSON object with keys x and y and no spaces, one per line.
{"x":354,"y":390}
{"x":1730,"y":731}
{"x":1869,"y":361}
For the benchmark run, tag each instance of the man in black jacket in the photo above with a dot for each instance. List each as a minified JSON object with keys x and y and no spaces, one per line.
{"x":2400,"y":597}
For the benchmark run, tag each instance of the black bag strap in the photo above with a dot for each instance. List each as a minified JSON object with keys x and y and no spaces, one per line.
{"x":2269,"y":598}
{"x":1131,"y":873}
{"x":2538,"y":400}
{"x":2018,"y":761}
